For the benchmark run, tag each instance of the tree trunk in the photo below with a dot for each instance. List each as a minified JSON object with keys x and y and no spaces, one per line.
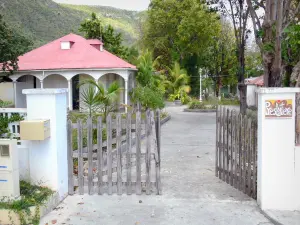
{"x":287,"y":77}
{"x":241,"y":78}
{"x":243,"y":98}
{"x":295,"y":76}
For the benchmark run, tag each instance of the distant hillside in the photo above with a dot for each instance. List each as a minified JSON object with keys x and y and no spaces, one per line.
{"x":44,"y":20}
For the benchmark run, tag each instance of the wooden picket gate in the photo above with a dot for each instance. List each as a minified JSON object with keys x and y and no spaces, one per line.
{"x":115,"y":168}
{"x":236,"y":150}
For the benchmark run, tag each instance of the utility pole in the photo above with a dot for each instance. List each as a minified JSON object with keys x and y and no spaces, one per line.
{"x":200,"y":97}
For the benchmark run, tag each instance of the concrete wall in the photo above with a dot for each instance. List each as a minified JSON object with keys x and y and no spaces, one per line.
{"x":48,"y":158}
{"x":251,"y":95}
{"x":7,"y":91}
{"x":278,"y":158}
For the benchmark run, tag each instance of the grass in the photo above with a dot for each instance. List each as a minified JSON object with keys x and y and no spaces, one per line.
{"x":31,"y":195}
{"x":211,"y":103}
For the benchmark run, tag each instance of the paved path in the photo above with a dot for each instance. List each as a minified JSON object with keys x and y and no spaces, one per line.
{"x":191,"y":193}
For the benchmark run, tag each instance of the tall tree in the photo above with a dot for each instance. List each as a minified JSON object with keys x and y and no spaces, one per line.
{"x":238,"y":12}
{"x":93,"y":29}
{"x":180,"y":31}
{"x":12,"y":45}
{"x":278,"y":15}
{"x":220,"y":60}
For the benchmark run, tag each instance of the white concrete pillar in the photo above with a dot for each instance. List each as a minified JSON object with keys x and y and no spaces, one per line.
{"x":70,"y":95}
{"x":42,"y":84}
{"x":126,"y":94}
{"x":278,"y":181}
{"x":48,"y":158}
{"x":15,"y":93}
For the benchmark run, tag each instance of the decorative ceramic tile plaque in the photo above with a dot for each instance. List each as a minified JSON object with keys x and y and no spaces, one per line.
{"x":279,"y":108}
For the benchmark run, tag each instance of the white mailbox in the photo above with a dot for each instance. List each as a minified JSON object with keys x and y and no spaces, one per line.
{"x":9,"y":169}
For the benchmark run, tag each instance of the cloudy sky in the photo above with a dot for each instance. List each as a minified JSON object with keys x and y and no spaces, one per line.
{"x":122,"y":4}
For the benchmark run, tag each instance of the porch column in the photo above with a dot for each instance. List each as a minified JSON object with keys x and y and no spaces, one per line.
{"x":42,"y":84}
{"x":126,"y":94}
{"x":15,"y":92}
{"x":70,"y":95}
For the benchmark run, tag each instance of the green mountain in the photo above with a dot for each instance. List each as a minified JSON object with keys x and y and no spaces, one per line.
{"x":44,"y":20}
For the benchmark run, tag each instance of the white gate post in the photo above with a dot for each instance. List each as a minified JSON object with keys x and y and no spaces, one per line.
{"x":48,"y":159}
{"x":278,"y":186}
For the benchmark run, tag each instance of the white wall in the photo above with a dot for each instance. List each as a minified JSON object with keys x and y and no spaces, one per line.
{"x":24,"y":168}
{"x":251,"y":95}
{"x":7,"y":91}
{"x":48,"y":158}
{"x":278,"y":159}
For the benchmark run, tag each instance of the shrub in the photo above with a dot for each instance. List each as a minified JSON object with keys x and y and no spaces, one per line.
{"x":31,"y":195}
{"x":5,"y":104}
{"x":196,"y":104}
{"x":229,"y":101}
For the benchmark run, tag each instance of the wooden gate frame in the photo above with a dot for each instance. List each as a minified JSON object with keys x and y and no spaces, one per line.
{"x":236,"y":150}
{"x":152,"y":134}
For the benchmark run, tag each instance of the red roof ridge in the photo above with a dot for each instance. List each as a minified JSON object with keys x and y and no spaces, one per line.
{"x":81,"y":55}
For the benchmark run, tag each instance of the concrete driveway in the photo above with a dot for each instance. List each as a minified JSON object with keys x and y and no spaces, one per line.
{"x":191,"y":193}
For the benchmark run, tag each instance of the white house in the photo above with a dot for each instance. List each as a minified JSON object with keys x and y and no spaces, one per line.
{"x":252,"y":85}
{"x":63,"y":63}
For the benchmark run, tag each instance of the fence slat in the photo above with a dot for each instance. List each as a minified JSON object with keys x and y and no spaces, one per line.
{"x":227,"y":145}
{"x":254,"y":161}
{"x":236,"y":166}
{"x":220,"y":142}
{"x":119,"y":155}
{"x":157,"y":145}
{"x":109,"y":153}
{"x":232,"y":146}
{"x":80,"y":158}
{"x":249,"y":155}
{"x":240,"y":151}
{"x":128,"y":152}
{"x":90,"y":154}
{"x":100,"y":155}
{"x":138,"y":153}
{"x":70,"y":160}
{"x":224,"y":144}
{"x":217,"y":141}
{"x":148,"y":151}
{"x":245,"y":154}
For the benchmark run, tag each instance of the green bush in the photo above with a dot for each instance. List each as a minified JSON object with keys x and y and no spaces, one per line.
{"x":196,"y":104}
{"x":229,"y":101}
{"x":31,"y":195}
{"x":4,"y":121}
{"x":5,"y":104}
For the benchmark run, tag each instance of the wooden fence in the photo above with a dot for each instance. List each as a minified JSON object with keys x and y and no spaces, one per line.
{"x":236,"y":150}
{"x":112,"y":164}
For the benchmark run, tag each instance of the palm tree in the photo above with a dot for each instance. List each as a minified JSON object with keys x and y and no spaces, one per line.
{"x":101,"y":98}
{"x":177,"y":82}
{"x":90,"y":100}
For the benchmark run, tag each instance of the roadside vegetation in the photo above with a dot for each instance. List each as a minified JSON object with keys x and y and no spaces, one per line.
{"x":31,"y":196}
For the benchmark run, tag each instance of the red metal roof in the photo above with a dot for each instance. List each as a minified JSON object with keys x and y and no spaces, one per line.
{"x":81,"y":56}
{"x":259,"y":81}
